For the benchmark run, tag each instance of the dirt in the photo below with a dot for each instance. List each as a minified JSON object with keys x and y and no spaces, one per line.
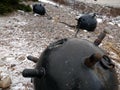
{"x":87,"y":7}
{"x":23,"y":34}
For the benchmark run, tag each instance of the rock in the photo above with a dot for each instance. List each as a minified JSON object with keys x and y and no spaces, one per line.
{"x":22,"y":57}
{"x":49,"y":17}
{"x":13,"y":65}
{"x":5,"y":83}
{"x":2,"y":63}
{"x":21,"y":12}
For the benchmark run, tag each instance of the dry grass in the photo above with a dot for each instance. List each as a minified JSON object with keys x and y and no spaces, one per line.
{"x":80,"y":6}
{"x":60,"y":1}
{"x":115,"y":11}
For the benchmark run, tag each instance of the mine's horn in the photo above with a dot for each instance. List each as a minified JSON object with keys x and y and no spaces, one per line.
{"x":93,"y":59}
{"x":31,"y":73}
{"x":34,"y":59}
{"x":100,"y":38}
{"x":94,"y":14}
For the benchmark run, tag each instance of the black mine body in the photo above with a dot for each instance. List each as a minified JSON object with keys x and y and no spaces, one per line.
{"x":73,"y":64}
{"x":87,"y":22}
{"x":39,"y":9}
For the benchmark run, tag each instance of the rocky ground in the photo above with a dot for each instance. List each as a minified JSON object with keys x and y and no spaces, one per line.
{"x":23,"y":34}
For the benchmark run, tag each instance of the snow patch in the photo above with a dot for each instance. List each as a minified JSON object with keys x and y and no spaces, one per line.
{"x":99,"y":20}
{"x":50,"y":2}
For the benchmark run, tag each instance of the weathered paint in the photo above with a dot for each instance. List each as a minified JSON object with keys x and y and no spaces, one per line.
{"x":65,"y":69}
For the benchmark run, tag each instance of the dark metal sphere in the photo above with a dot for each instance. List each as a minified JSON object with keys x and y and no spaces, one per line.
{"x":39,"y":9}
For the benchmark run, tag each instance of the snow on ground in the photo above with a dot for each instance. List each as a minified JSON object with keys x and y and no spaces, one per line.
{"x":13,"y":50}
{"x":49,"y":2}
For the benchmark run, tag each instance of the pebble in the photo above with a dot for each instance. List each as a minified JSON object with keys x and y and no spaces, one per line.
{"x":5,"y":83}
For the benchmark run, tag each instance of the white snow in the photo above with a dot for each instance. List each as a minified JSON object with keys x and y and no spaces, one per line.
{"x":111,"y":23}
{"x":50,"y":2}
{"x":13,"y":51}
{"x":99,"y":20}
